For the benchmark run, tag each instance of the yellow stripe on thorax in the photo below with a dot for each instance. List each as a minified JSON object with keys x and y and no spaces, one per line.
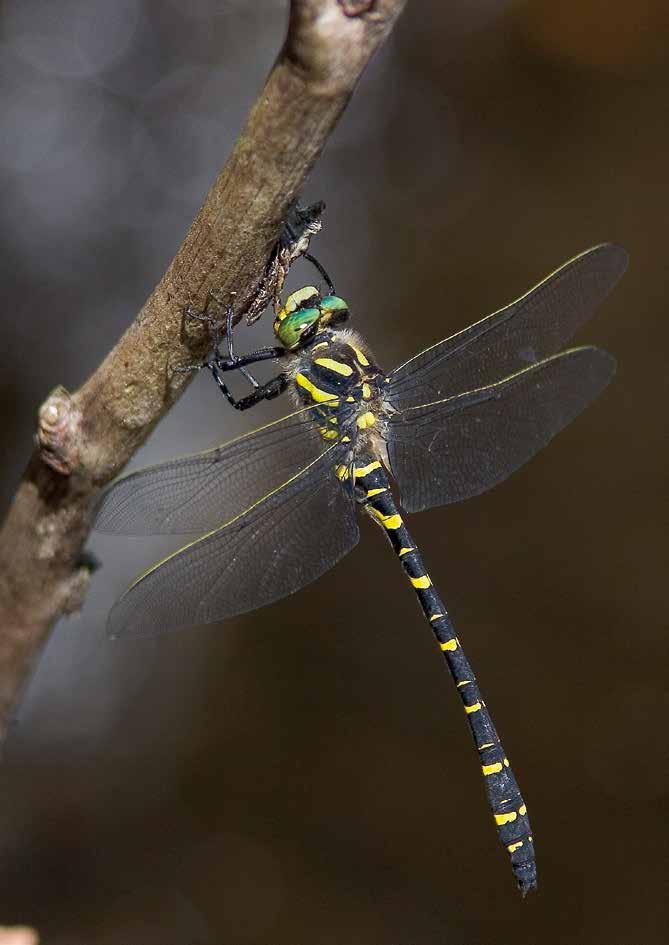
{"x":361,"y":359}
{"x":337,"y":366}
{"x":316,"y":393}
{"x":366,"y":420}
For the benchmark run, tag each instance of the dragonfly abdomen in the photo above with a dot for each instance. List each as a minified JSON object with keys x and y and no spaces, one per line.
{"x":506,"y":802}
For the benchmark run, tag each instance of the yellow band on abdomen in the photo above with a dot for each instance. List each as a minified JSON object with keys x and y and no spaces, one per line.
{"x":388,"y":521}
{"x":501,"y":819}
{"x":361,"y":471}
{"x":492,"y":769}
{"x":421,"y":582}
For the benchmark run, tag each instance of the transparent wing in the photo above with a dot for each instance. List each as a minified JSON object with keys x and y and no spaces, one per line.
{"x":535,"y":326}
{"x":281,"y":543}
{"x":194,"y":493}
{"x":459,"y":447}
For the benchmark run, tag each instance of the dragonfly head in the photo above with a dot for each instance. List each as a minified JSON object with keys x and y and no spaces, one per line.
{"x":305,"y":312}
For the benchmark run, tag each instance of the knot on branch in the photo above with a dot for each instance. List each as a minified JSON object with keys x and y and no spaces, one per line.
{"x":330,"y":41}
{"x":58,"y":431}
{"x":355,"y":7}
{"x":73,"y":591}
{"x":18,"y":935}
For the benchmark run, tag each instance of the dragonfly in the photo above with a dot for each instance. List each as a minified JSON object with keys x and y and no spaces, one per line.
{"x":276,"y":508}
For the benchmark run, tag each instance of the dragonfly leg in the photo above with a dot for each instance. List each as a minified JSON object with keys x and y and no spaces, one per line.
{"x":223,"y":361}
{"x":261,"y":392}
{"x":205,"y":318}
{"x":214,"y":328}
{"x":322,"y":270}
{"x":234,"y":362}
{"x":221,"y":365}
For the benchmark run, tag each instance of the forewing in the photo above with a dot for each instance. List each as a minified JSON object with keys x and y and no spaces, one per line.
{"x":455,"y":448}
{"x":535,"y":326}
{"x":279,"y":545}
{"x":195,"y":493}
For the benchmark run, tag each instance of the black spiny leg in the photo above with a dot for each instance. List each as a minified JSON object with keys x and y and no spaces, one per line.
{"x":220,"y":363}
{"x":234,"y":363}
{"x":322,"y":270}
{"x":267,"y":391}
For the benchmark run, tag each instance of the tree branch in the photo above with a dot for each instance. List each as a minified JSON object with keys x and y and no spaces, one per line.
{"x":84,"y":439}
{"x":17,"y":935}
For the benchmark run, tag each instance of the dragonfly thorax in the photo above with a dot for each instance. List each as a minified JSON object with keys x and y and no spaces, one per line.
{"x":337,"y":375}
{"x":332,"y":369}
{"x":305,"y":312}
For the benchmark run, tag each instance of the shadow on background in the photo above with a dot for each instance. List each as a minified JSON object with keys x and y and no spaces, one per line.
{"x":304,"y":775}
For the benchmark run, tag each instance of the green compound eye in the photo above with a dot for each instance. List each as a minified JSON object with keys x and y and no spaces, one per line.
{"x":302,"y":309}
{"x":332,"y":305}
{"x":297,"y":316}
{"x":292,"y":327}
{"x":300,"y":299}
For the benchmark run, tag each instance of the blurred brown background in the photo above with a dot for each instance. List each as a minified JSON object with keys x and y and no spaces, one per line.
{"x":304,"y":775}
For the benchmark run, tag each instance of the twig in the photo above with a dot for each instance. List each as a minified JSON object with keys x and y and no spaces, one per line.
{"x":84,"y":439}
{"x":17,"y":935}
